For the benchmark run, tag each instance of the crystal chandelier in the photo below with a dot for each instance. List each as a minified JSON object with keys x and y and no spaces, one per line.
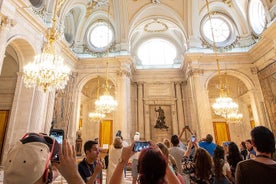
{"x":224,"y":105}
{"x":234,"y":117}
{"x":97,"y":115}
{"x":106,"y":103}
{"x":47,"y":72}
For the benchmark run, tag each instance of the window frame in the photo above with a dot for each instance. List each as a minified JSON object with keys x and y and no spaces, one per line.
{"x":254,"y":5}
{"x":228,"y":21}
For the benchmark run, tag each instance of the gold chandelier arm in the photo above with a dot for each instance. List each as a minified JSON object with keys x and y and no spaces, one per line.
{"x":107,"y":52}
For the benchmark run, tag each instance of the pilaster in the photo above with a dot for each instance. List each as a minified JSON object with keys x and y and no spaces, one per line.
{"x":5,"y":24}
{"x":140,"y":112}
{"x":179,"y":104}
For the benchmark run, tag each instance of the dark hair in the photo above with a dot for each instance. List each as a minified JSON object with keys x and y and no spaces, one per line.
{"x":248,"y":140}
{"x":203,"y":164}
{"x":152,"y":166}
{"x":243,"y":145}
{"x":218,"y":159}
{"x":88,"y":145}
{"x":234,"y":155}
{"x":209,"y":138}
{"x":263,"y":139}
{"x":174,"y":140}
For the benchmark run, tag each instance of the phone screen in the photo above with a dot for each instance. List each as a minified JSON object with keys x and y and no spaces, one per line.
{"x":58,"y":134}
{"x":138,"y":146}
{"x":193,"y":138}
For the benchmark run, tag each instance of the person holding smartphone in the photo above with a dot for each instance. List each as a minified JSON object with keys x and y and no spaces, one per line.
{"x":149,"y":159}
{"x":90,"y":168}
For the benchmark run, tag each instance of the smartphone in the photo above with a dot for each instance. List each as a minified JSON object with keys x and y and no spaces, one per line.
{"x":138,"y":146}
{"x":58,"y":134}
{"x":193,"y":138}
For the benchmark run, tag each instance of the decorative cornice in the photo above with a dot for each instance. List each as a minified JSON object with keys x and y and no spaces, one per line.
{"x":268,"y":71}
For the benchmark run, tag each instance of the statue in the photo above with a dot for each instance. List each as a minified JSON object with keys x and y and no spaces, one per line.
{"x":160,"y":122}
{"x":78,"y":143}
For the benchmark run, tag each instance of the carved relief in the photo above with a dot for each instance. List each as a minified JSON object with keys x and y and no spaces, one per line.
{"x":63,"y":105}
{"x":267,"y":79}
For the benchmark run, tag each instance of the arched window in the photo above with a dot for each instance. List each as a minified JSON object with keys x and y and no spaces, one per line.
{"x":256,"y":16}
{"x":222,"y":28}
{"x":156,"y":52}
{"x":100,"y":36}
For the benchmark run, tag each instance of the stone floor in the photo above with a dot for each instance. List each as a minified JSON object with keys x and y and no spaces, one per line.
{"x":127,"y":180}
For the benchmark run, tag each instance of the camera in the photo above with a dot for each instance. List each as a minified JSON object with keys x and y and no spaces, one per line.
{"x":138,"y":146}
{"x":193,"y":138}
{"x":58,"y":134}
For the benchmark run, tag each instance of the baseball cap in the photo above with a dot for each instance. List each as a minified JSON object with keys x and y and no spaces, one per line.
{"x":29,"y":158}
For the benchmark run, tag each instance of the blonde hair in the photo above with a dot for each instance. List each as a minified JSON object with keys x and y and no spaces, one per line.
{"x":118,"y":143}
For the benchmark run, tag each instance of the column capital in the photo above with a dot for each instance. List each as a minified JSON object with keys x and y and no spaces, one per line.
{"x":193,"y":72}
{"x":123,"y":72}
{"x":5,"y":21}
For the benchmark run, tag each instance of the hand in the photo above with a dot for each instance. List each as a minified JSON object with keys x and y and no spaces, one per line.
{"x":67,"y":165}
{"x":127,"y":152}
{"x":99,"y":166}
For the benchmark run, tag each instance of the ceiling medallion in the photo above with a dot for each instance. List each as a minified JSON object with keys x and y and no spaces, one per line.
{"x":155,"y":26}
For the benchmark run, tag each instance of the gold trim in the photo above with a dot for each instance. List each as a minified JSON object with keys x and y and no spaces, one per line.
{"x":155,"y":21}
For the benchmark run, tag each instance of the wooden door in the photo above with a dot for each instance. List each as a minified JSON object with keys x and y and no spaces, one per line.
{"x":221,"y":131}
{"x":4,"y":116}
{"x":106,"y":127}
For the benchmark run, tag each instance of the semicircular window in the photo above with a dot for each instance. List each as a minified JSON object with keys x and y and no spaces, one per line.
{"x":156,"y":52}
{"x":100,"y":36}
{"x":222,"y":28}
{"x":256,"y":15}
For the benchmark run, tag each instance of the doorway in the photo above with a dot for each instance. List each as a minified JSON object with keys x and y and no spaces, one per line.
{"x":4,"y":116}
{"x":221,"y":130}
{"x":106,"y":128}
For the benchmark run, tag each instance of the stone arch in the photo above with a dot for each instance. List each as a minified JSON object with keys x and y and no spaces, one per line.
{"x":245,"y":79}
{"x":24,"y":49}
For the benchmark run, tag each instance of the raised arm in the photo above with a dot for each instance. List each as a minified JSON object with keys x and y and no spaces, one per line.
{"x":116,"y":177}
{"x":67,"y":165}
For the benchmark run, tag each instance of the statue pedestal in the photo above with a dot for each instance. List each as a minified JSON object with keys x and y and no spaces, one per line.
{"x":160,"y":134}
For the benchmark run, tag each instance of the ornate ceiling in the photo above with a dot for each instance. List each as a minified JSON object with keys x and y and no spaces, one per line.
{"x":134,"y":21}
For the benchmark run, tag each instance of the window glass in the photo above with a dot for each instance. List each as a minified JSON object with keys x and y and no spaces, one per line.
{"x":100,"y":36}
{"x":256,"y":14}
{"x":157,"y":52}
{"x":220,"y":28}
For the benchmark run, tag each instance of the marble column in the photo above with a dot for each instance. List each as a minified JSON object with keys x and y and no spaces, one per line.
{"x":50,"y":111}
{"x":140,"y":113}
{"x":5,"y":23}
{"x":179,"y":105}
{"x":37,"y":119}
{"x":123,"y":112}
{"x":204,"y":124}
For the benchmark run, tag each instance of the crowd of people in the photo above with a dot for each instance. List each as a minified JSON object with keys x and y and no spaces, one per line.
{"x":199,"y":162}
